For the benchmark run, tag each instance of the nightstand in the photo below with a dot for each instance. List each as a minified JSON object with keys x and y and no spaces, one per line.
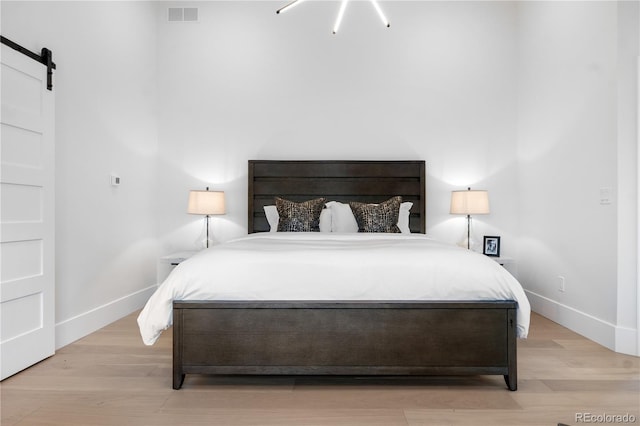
{"x":168,"y":262}
{"x":503,"y":260}
{"x":177,"y":257}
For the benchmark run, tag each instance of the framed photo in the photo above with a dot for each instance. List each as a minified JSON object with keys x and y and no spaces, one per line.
{"x":491,"y":246}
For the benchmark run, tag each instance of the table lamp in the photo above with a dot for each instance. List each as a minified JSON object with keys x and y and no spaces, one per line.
{"x":206,"y":203}
{"x":469,"y":203}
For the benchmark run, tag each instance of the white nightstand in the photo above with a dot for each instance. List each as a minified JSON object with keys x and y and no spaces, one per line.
{"x":177,"y":257}
{"x":503,"y":260}
{"x":170,"y":261}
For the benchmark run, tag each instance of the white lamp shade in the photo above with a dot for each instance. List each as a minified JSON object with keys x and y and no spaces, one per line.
{"x":469,"y":202}
{"x":206,"y":202}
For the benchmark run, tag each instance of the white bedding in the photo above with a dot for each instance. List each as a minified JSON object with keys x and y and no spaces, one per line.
{"x":331,"y":266}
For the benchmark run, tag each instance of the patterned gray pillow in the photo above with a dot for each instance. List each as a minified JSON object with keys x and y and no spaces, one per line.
{"x":381,"y":217}
{"x":299,"y":217}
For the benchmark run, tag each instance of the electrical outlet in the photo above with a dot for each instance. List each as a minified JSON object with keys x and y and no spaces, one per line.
{"x":560,"y":283}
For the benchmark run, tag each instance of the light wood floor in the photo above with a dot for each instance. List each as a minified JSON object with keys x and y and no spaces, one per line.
{"x":111,"y":378}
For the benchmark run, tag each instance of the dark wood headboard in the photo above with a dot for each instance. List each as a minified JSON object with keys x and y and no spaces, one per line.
{"x":364,"y":181}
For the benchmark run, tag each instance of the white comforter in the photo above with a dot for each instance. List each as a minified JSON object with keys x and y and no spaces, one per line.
{"x":330,"y":266}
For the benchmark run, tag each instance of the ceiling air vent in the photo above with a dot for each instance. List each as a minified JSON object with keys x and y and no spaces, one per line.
{"x":182,"y":14}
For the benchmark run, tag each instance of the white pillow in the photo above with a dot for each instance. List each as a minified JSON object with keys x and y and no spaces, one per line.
{"x":325,"y":220}
{"x":343,"y":220}
{"x":403,"y":217}
{"x":273,"y":218}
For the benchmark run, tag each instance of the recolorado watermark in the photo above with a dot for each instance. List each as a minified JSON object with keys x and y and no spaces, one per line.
{"x":605,"y":418}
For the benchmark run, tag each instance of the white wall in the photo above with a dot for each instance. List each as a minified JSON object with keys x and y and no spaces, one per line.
{"x":638,"y":198}
{"x":574,"y":138}
{"x":245,"y":83}
{"x":627,"y":109}
{"x":526,"y":99}
{"x":105,"y":88}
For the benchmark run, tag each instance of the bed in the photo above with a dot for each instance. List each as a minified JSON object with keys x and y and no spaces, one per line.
{"x":338,"y":320}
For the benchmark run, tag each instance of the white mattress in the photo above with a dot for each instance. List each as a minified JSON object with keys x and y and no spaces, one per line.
{"x":330,"y":266}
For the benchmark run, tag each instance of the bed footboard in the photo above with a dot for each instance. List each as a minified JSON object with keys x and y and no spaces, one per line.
{"x":345,"y":338}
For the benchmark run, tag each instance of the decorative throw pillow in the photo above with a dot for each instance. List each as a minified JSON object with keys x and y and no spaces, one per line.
{"x":381,"y":217}
{"x":299,"y":217}
{"x":325,"y":218}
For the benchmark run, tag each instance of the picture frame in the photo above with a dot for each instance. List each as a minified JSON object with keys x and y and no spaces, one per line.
{"x":491,"y":246}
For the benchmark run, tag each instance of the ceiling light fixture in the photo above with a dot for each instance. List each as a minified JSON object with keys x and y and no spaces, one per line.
{"x":343,"y":7}
{"x":289,"y":6}
{"x":384,"y":19}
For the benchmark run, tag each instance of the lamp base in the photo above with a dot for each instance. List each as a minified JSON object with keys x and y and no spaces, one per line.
{"x":205,"y":239}
{"x":471,"y":243}
{"x":468,"y":241}
{"x":202,"y":243}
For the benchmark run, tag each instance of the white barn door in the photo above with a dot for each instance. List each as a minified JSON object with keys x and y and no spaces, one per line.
{"x":27,"y":286}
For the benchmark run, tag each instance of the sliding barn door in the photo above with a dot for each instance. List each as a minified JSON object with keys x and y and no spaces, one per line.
{"x":27,"y":288}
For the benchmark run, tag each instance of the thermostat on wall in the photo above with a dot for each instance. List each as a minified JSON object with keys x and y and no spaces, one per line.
{"x":115,"y":180}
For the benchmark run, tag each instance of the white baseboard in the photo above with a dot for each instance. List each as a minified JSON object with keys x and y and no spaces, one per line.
{"x":587,"y":325}
{"x":627,"y":341}
{"x":72,"y":329}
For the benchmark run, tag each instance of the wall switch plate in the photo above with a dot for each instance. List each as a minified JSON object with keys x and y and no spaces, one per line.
{"x":115,"y":180}
{"x":561,"y":283}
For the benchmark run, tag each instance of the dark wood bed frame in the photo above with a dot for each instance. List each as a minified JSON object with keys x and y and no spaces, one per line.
{"x":343,"y":337}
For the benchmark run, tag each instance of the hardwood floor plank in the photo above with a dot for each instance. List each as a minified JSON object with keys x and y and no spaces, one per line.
{"x":337,"y":398}
{"x":593,"y":385}
{"x":224,"y":417}
{"x":486,"y":417}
